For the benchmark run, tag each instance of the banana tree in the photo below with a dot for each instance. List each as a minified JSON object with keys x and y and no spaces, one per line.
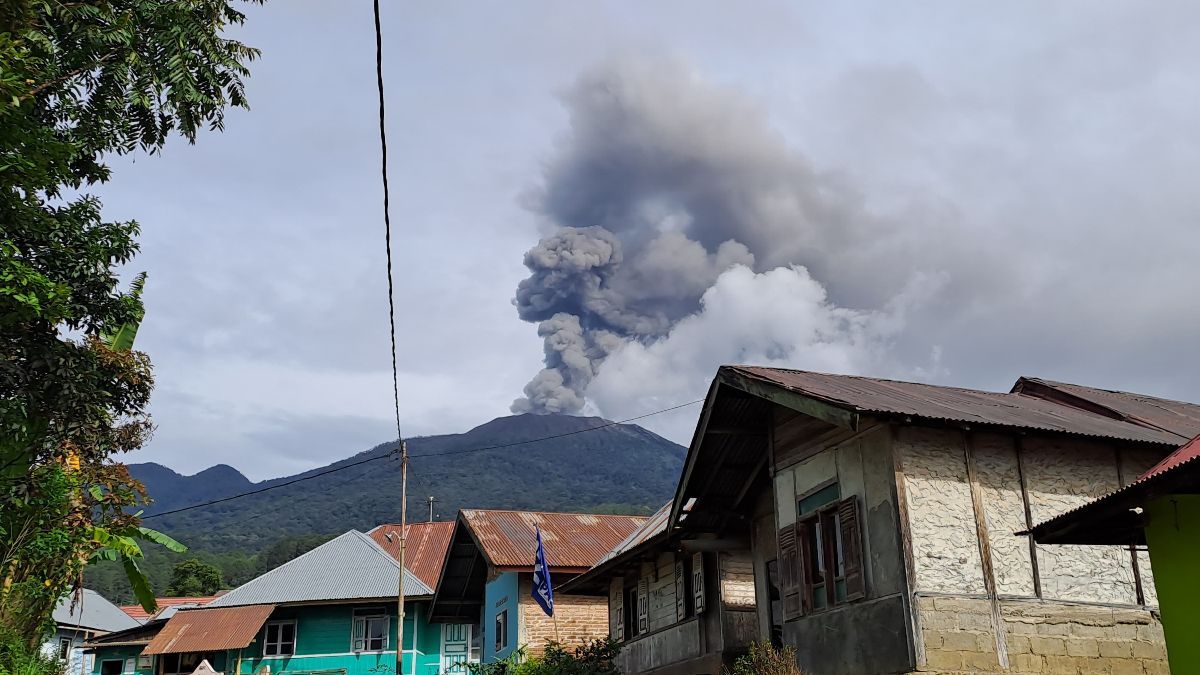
{"x":122,"y":543}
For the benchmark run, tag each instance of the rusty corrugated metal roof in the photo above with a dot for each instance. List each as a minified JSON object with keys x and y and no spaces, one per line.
{"x":572,"y":540}
{"x":655,"y":525}
{"x":424,"y":551}
{"x":1177,"y":417}
{"x":1109,"y":519}
{"x":968,"y":406}
{"x":140,"y":614}
{"x":209,"y":629}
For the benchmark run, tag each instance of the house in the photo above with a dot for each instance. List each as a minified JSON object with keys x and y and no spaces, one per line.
{"x":678,"y":607}
{"x":139,"y":614}
{"x":487,"y":576}
{"x":1161,"y":509}
{"x":78,"y":618}
{"x":333,"y":608}
{"x":881,"y":516}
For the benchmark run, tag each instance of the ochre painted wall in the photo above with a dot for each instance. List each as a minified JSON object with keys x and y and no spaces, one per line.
{"x":1173,"y":534}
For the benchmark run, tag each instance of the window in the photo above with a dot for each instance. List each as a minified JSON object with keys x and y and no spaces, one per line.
{"x":502,"y":630}
{"x":820,"y":559}
{"x":279,"y":638}
{"x":630,"y":603}
{"x":108,"y":667}
{"x":371,"y":628}
{"x":775,"y":609}
{"x":64,"y":649}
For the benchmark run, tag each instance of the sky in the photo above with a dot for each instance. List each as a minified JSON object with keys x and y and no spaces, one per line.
{"x":956,"y":193}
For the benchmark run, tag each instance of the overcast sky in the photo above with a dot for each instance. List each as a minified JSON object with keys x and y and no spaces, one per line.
{"x":1002,"y":189}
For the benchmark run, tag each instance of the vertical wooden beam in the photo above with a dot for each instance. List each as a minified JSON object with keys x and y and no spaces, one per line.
{"x":1139,"y":592}
{"x":985,"y":549}
{"x":1033,"y":559}
{"x":899,"y":493}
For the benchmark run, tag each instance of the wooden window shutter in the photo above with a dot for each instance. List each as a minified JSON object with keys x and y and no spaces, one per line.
{"x":619,"y":611}
{"x":680,"y":592}
{"x":807,"y":562}
{"x":790,"y":573}
{"x":698,"y":581}
{"x":856,"y":585}
{"x":643,"y":602}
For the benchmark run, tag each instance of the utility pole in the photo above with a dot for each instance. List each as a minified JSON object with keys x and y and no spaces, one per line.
{"x":431,"y":501}
{"x":403,"y":539}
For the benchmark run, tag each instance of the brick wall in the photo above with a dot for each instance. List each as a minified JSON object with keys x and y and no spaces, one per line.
{"x":1041,"y":637}
{"x":580,"y":618}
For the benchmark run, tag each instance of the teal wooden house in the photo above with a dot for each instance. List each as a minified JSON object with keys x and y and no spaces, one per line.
{"x":331,"y":611}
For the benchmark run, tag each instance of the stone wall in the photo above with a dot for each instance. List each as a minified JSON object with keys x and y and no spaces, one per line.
{"x":579,"y":617}
{"x":1041,"y":636}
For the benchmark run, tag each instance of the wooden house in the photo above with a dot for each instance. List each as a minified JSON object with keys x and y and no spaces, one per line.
{"x":678,"y":607}
{"x":488,"y":574}
{"x":879,"y":519}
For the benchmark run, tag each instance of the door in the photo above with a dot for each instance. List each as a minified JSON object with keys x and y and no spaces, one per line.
{"x":456,"y":647}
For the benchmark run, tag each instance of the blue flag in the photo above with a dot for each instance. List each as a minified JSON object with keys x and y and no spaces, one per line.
{"x":543,"y":592}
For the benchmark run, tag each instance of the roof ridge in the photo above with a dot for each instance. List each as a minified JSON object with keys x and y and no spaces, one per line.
{"x":871,"y":378}
{"x":555,"y":513}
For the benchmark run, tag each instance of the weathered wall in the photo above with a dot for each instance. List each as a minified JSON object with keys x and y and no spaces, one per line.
{"x":863,"y":637}
{"x":580,"y":618}
{"x":661,"y":578}
{"x":1042,"y":637}
{"x":1062,"y":474}
{"x":999,"y":479}
{"x":945,"y":547}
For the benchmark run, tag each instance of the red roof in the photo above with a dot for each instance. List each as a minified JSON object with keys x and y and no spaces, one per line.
{"x":140,"y":614}
{"x":424,"y":551}
{"x":571,"y":540}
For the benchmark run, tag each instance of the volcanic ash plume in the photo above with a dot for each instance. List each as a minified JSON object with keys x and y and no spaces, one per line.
{"x":664,"y":185}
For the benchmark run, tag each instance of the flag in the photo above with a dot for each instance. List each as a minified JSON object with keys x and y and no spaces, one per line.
{"x":543,"y":592}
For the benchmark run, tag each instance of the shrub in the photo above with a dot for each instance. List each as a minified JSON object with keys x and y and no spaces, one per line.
{"x":765,"y":659}
{"x":18,"y":658}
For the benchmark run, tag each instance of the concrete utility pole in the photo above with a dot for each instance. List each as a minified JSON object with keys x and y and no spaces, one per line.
{"x":431,"y":501}
{"x":403,"y":539}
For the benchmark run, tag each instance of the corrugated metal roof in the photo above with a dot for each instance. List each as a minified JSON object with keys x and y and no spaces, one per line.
{"x":1177,"y":417}
{"x":573,"y":540}
{"x":1108,"y":519}
{"x":141,"y":634}
{"x":140,"y":614}
{"x":969,"y":406}
{"x":209,"y":629}
{"x":425,"y":550}
{"x":348,"y":567}
{"x":92,"y":611}
{"x":655,"y":525}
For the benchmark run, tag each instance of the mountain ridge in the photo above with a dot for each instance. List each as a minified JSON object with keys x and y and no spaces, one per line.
{"x":543,"y":462}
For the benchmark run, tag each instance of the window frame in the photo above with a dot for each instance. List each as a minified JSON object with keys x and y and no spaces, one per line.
{"x":120,"y":668}
{"x":279,"y":642}
{"x":65,"y":646}
{"x":501,"y":628}
{"x":824,"y":542}
{"x":365,"y":617}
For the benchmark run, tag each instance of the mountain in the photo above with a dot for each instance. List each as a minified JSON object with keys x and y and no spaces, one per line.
{"x":587,"y":467}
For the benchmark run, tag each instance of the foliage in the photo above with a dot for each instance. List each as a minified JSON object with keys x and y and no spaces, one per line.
{"x":17,"y":657}
{"x":80,"y":81}
{"x":194,"y":578}
{"x":764,"y":659}
{"x":590,"y":658}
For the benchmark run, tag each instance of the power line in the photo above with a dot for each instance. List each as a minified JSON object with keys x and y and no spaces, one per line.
{"x":387,"y":216}
{"x":432,"y":454}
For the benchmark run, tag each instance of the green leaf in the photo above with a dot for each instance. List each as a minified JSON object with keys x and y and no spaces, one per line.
{"x":140,"y":584}
{"x":160,"y":538}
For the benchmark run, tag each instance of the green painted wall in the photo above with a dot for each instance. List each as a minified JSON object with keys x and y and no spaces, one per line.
{"x":1173,"y":534}
{"x":323,"y":643}
{"x":125,"y":654}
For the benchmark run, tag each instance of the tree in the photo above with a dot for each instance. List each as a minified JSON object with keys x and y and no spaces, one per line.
{"x":80,"y":81}
{"x":194,"y":578}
